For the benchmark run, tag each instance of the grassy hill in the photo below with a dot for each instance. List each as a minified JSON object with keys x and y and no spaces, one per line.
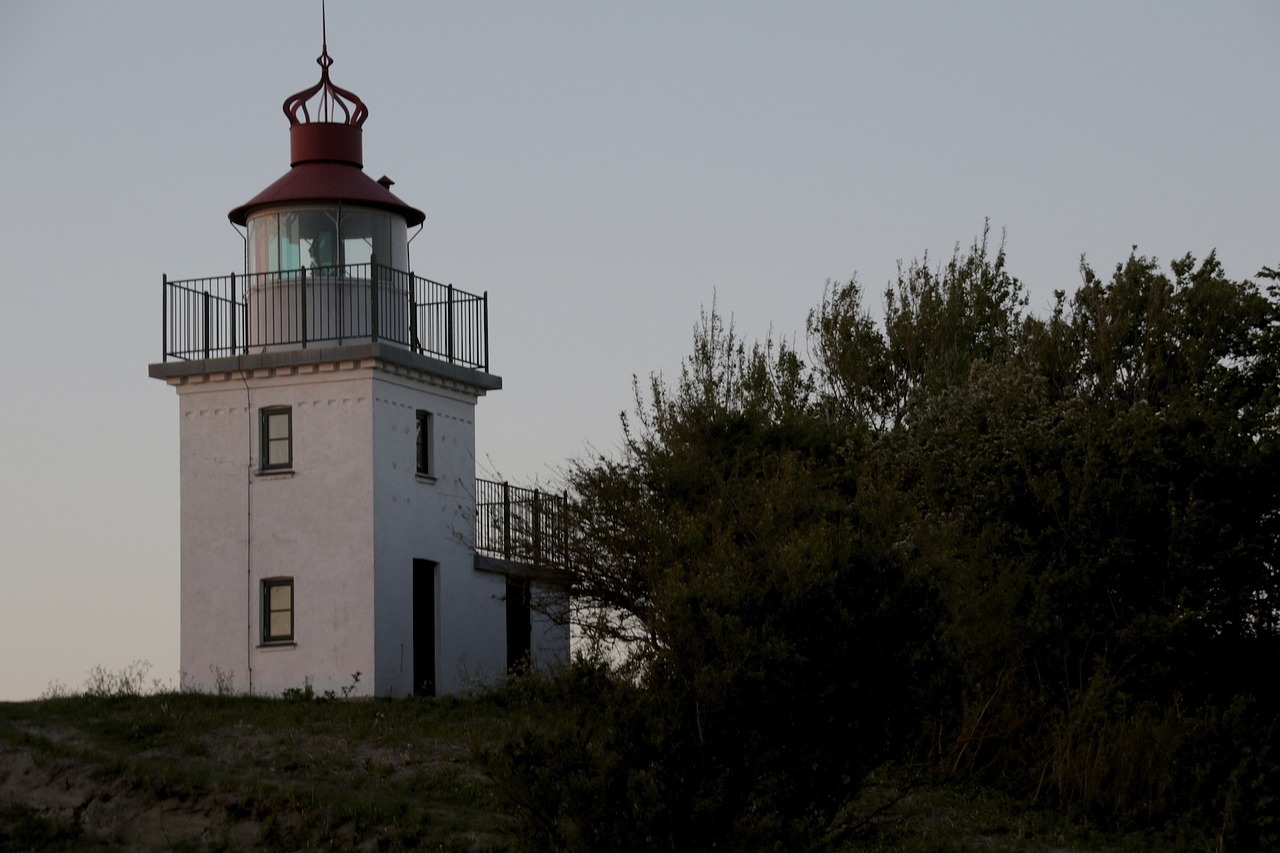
{"x":202,"y":772}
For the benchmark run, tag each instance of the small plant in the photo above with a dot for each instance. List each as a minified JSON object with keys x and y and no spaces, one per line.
{"x":101,"y":683}
{"x":223,"y":681}
{"x":56,"y":690}
{"x":350,"y":688}
{"x":305,"y":693}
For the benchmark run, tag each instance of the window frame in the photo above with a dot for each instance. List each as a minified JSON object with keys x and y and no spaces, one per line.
{"x":266,"y":441}
{"x":424,"y":424}
{"x":266,"y":635}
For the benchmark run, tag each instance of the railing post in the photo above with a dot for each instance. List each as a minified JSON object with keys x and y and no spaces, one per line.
{"x":205,"y":321}
{"x":415,"y":344}
{"x":486,"y":331}
{"x":374,"y":287}
{"x":506,"y":520}
{"x":302,"y":301}
{"x":248,"y":333}
{"x":332,"y":312}
{"x":231,"y":314}
{"x":449,"y":327}
{"x":164,"y":315}
{"x":537,"y":527}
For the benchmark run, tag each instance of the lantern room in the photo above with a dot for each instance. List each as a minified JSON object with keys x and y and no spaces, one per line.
{"x":318,"y":237}
{"x":325,"y":211}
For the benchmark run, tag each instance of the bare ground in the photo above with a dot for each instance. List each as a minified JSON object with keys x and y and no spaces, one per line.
{"x":242,"y":784}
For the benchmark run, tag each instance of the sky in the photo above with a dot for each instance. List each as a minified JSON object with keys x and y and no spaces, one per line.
{"x":605,"y":171}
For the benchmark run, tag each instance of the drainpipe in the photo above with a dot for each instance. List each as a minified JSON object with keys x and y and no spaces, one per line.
{"x":248,"y":533}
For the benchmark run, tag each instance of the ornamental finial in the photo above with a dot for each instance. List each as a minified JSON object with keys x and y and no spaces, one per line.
{"x":332,"y":99}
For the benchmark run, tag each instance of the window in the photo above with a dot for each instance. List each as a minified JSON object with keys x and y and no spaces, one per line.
{"x":277,"y":610}
{"x":424,"y":444}
{"x":277,"y":438}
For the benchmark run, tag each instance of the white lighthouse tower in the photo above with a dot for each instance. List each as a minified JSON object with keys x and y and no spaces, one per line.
{"x":334,"y":533}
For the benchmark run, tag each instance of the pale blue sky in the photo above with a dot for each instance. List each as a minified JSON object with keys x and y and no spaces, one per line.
{"x":602,"y":169}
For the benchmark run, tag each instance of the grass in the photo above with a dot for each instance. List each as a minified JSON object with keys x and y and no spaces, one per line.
{"x":24,"y":828}
{"x":299,"y":773}
{"x":168,"y":770}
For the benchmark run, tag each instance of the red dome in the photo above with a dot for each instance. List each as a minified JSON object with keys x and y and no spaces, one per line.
{"x":327,"y":180}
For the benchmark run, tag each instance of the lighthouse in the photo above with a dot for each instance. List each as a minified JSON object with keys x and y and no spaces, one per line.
{"x":333,"y":532}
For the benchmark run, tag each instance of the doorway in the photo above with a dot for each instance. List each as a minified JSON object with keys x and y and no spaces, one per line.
{"x":519,"y":625}
{"x":424,"y":627}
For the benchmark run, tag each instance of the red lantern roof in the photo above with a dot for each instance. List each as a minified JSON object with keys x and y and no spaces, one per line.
{"x":327,"y":161}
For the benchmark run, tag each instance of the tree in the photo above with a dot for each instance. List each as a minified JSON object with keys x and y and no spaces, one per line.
{"x":779,"y":649}
{"x":1050,"y":542}
{"x":1096,"y":495}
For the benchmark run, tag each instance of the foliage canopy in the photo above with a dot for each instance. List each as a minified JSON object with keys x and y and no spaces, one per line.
{"x":1039,"y":551}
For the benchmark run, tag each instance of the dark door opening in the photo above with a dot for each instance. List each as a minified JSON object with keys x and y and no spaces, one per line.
{"x":424,"y":628}
{"x":519,"y":625}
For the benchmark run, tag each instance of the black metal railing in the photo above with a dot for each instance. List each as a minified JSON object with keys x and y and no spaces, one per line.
{"x":526,"y":526}
{"x":240,"y":314}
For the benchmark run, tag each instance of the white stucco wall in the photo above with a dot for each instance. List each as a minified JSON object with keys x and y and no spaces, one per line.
{"x":430,"y":518}
{"x":214,"y":645}
{"x":312,"y":523}
{"x":316,"y":526}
